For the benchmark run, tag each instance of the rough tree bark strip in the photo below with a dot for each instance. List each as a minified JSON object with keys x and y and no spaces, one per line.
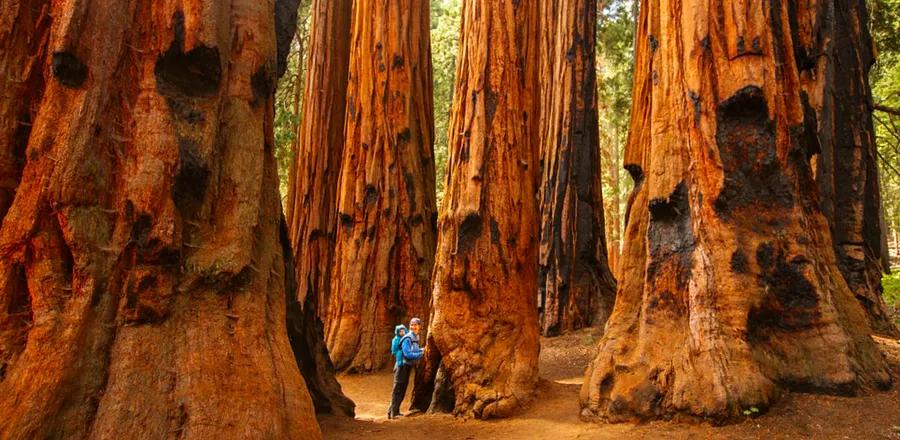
{"x":484,"y":329}
{"x":837,"y":88}
{"x":140,"y":269}
{"x":312,"y":197}
{"x":730,"y":289}
{"x":576,"y":286}
{"x":386,"y":201}
{"x":311,"y":201}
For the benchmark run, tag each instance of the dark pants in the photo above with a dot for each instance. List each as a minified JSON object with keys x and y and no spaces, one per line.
{"x":401,"y":380}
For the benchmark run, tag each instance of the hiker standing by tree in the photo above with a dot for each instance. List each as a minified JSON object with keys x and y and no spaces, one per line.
{"x":410,"y":352}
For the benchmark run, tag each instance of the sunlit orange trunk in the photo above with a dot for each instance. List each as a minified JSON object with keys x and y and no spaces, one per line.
{"x":142,"y":279}
{"x":730,"y":291}
{"x":484,"y":328}
{"x":384,"y":251}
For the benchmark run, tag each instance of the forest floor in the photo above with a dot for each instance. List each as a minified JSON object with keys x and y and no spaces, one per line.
{"x":554,"y":412}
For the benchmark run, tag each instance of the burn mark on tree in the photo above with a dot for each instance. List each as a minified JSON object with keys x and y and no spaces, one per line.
{"x":146,"y":300}
{"x":404,"y":136}
{"x":789,"y":302}
{"x":398,"y":62}
{"x":184,"y":111}
{"x":746,"y":139}
{"x":695,"y":101}
{"x":739,"y":263}
{"x":490,"y":104}
{"x":409,"y":183}
{"x":654,"y":43}
{"x":285,"y":27}
{"x":262,"y":83}
{"x":371,"y":194}
{"x":808,"y":139}
{"x":346,"y":220}
{"x":196,"y":73}
{"x":192,"y":179}
{"x":68,"y":69}
{"x":670,"y":236}
{"x":469,"y":232}
{"x":140,"y":230}
{"x":495,"y":232}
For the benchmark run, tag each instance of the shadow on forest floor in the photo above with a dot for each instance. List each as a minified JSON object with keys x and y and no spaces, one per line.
{"x":554,"y":412}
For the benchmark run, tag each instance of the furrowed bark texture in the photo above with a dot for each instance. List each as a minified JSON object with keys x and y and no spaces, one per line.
{"x":386,"y":200}
{"x":576,"y":286}
{"x":730,"y":290}
{"x":837,"y":88}
{"x":484,"y":328}
{"x":312,"y":195}
{"x":141,"y":275}
{"x":311,"y":201}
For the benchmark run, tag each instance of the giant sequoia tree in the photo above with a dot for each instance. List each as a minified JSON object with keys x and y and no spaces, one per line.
{"x":484,"y":329}
{"x":311,"y":200}
{"x":837,"y":87}
{"x":574,"y":280}
{"x":730,"y":288}
{"x":141,"y":273}
{"x":385,"y":243}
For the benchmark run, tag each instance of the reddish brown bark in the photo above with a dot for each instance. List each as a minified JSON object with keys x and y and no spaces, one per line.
{"x":386,"y":201}
{"x":730,"y":291}
{"x":484,"y":329}
{"x":575,"y":284}
{"x":141,"y":273}
{"x":837,"y":88}
{"x":312,"y":195}
{"x":311,"y":201}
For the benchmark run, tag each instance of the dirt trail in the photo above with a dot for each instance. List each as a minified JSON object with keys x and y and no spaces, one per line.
{"x":554,"y":412}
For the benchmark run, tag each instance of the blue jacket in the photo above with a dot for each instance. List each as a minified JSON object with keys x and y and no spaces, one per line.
{"x":395,"y":345}
{"x":409,"y":345}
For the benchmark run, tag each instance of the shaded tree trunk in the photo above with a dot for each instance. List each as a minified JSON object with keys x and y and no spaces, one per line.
{"x":576,"y":286}
{"x":311,"y":201}
{"x":312,"y":195}
{"x":730,"y":289}
{"x":141,"y":276}
{"x":484,"y":326}
{"x":837,"y":87}
{"x":384,"y":252}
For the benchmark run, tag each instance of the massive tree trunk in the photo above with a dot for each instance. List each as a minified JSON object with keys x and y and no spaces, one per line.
{"x":311,"y":201}
{"x":837,"y":87}
{"x":312,"y":193}
{"x":141,"y":274}
{"x":484,"y":329}
{"x":730,"y":290}
{"x":576,"y":287}
{"x":386,"y":200}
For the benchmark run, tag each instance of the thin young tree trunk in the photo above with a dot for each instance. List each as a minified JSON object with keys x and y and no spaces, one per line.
{"x":311,"y":201}
{"x":614,"y":219}
{"x":731,"y":291}
{"x":484,"y":325}
{"x":141,"y":275}
{"x":575,"y":283}
{"x":837,"y":88}
{"x":385,"y":245}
